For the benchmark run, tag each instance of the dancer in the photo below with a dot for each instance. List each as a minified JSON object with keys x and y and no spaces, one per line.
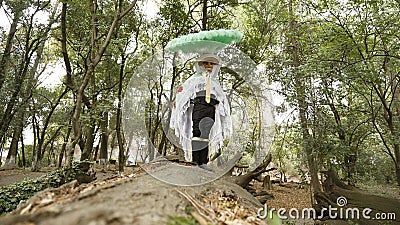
{"x":201,"y":114}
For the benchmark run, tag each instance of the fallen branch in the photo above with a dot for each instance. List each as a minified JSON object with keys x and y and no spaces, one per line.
{"x":199,"y":207}
{"x":244,"y":180}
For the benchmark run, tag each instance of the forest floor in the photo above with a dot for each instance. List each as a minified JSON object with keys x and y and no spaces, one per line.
{"x":138,"y":198}
{"x":17,"y":175}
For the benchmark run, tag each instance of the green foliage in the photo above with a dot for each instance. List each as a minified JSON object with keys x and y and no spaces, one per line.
{"x":173,"y":14}
{"x":183,"y":220}
{"x":374,"y":167}
{"x":11,"y":195}
{"x":347,"y":70}
{"x":258,"y":20}
{"x":179,"y":220}
{"x":28,"y":155}
{"x":287,"y":152}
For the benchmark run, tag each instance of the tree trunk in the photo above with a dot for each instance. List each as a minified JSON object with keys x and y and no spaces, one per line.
{"x":121,"y":143}
{"x":396,"y":104}
{"x":397,"y":163}
{"x":393,"y":149}
{"x":350,"y":157}
{"x":30,"y":48}
{"x":204,"y":16}
{"x":12,"y":153}
{"x":175,"y":75}
{"x":10,"y":162}
{"x":64,"y":146}
{"x":337,"y":191}
{"x":163,"y":142}
{"x":41,"y":138}
{"x":332,"y":180}
{"x":90,"y":128}
{"x":27,"y":94}
{"x":31,"y":45}
{"x":267,"y":184}
{"x":7,"y":50}
{"x":302,"y":106}
{"x":104,"y":139}
{"x":23,"y":151}
{"x":19,"y":80}
{"x":88,"y":149}
{"x":350,"y":160}
{"x":50,"y":142}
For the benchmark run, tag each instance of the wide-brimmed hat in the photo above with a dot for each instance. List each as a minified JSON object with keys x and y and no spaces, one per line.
{"x":204,"y":42}
{"x":209,"y":58}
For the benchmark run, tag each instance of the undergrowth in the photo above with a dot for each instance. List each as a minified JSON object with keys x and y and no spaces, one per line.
{"x":11,"y":195}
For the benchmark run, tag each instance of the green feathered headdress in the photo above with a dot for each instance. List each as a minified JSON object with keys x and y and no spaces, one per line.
{"x":204,"y":41}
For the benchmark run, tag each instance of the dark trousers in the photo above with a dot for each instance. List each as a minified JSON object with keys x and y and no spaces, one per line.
{"x":203,"y":117}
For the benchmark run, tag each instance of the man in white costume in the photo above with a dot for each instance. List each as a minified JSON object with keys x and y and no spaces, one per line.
{"x":201,"y":113}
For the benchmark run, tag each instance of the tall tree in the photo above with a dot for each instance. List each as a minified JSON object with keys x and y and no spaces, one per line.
{"x":17,"y":11}
{"x":34,"y":40}
{"x":96,"y":55}
{"x":368,"y":63}
{"x":32,"y":80}
{"x":301,"y":100}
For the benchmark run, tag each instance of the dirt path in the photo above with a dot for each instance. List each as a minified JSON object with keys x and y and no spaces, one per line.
{"x":17,"y":175}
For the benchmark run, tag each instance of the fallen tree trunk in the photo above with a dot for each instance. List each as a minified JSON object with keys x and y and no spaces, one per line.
{"x":354,"y":204}
{"x":139,"y":199}
{"x":332,"y":180}
{"x":245,"y":179}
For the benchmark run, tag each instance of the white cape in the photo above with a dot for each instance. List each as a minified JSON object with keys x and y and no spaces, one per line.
{"x":181,"y":117}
